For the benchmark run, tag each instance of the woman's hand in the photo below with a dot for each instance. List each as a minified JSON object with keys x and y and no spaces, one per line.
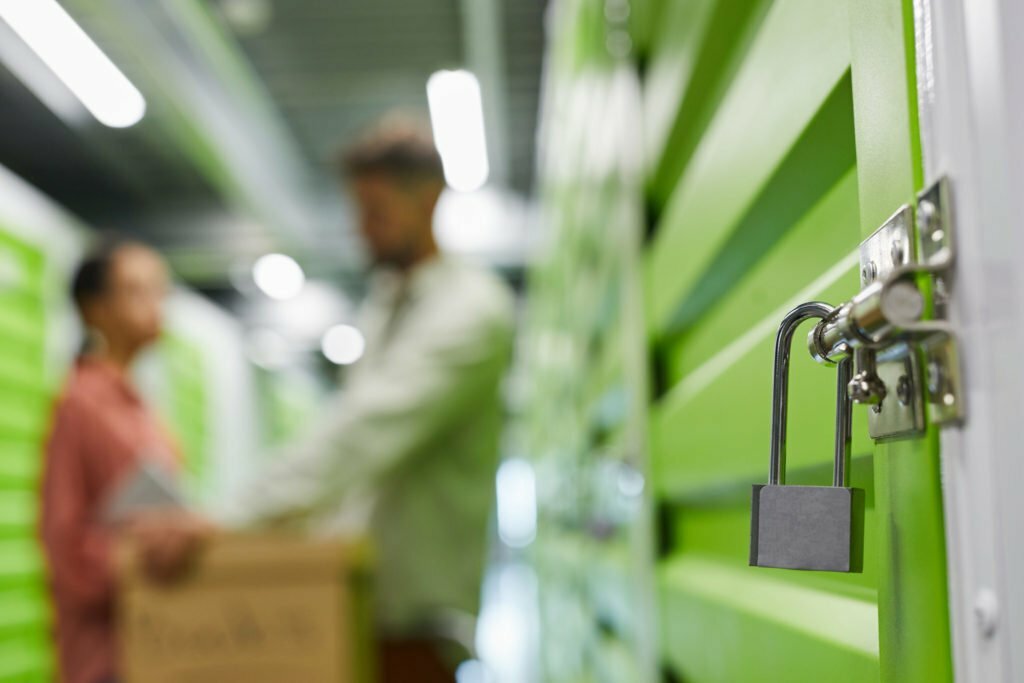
{"x":168,"y":542}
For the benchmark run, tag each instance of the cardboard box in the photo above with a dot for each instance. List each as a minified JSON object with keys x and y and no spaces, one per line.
{"x":254,"y":609}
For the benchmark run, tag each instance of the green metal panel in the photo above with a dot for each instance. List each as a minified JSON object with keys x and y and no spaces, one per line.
{"x":25,"y":401}
{"x":23,"y":264}
{"x":23,"y":417}
{"x":20,"y":561}
{"x":752,"y":132}
{"x":23,"y":610}
{"x":643,"y":20}
{"x":25,"y":659}
{"x":22,"y":312}
{"x":698,"y":47}
{"x":724,"y":624}
{"x":20,"y":324}
{"x":25,"y":377}
{"x":819,"y":158}
{"x":17,"y":510}
{"x":804,"y":254}
{"x":781,"y":133}
{"x":721,"y":274}
{"x":20,"y":463}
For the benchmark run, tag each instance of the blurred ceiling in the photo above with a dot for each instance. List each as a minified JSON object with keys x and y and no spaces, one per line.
{"x":247,"y":101}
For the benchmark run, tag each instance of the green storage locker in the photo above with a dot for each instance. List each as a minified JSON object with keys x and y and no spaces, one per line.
{"x":776,"y":136}
{"x":25,"y":398}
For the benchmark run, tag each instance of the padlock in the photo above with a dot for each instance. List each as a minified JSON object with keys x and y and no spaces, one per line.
{"x":806,"y":527}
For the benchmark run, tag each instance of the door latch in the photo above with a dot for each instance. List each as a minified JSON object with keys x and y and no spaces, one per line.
{"x":893,"y":329}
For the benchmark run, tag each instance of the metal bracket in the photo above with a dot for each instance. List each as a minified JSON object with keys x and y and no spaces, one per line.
{"x":900,"y":413}
{"x":887,"y":326}
{"x":887,"y":248}
{"x":935,"y":234}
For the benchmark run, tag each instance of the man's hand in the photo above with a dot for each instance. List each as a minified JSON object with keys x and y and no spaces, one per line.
{"x":168,"y":542}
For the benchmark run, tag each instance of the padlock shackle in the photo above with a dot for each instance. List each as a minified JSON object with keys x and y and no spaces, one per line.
{"x":780,"y":396}
{"x":844,"y":419}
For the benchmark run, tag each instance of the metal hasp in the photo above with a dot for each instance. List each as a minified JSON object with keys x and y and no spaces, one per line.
{"x":892,"y":331}
{"x":806,"y":527}
{"x":944,"y":387}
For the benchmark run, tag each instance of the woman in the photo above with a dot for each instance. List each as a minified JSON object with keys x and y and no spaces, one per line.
{"x":101,"y":432}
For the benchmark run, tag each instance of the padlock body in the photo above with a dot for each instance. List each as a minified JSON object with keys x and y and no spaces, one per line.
{"x":803,"y":527}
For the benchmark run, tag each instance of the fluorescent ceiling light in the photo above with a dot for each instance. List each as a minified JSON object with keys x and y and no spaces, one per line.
{"x":39,"y":79}
{"x":76,"y":60}
{"x":343,"y":344}
{"x":278,"y":276}
{"x":457,"y":118}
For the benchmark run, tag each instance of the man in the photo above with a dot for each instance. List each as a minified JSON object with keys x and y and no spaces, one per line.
{"x":409,"y":448}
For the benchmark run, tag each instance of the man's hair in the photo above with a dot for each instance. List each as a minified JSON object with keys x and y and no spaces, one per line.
{"x":398,"y":146}
{"x":93,"y":274}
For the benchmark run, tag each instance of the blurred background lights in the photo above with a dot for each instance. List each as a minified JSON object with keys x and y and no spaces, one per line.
{"x":473,"y":671}
{"x":278,"y":276}
{"x":76,"y":60}
{"x":517,"y":503}
{"x":343,"y":344}
{"x":630,"y":482}
{"x":457,"y":119}
{"x":248,"y":17}
{"x":268,"y":349}
{"x":507,"y":647}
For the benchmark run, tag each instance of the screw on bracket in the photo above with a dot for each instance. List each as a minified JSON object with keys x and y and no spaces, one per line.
{"x":896,"y":253}
{"x":903,"y":389}
{"x":986,"y":612}
{"x":869,"y":272}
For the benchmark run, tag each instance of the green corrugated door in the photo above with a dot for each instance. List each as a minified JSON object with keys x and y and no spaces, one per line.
{"x":24,"y":408}
{"x":785,"y":132}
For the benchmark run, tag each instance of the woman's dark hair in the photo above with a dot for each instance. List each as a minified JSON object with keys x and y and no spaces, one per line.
{"x":93,"y":274}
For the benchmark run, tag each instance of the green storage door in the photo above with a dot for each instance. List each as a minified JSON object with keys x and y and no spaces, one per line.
{"x":785,"y":133}
{"x":24,"y":409}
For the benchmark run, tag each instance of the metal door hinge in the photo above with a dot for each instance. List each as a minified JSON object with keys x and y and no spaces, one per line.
{"x":905,"y":356}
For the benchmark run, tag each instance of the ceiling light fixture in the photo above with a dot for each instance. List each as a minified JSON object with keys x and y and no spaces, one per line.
{"x":76,"y":60}
{"x":457,"y":118}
